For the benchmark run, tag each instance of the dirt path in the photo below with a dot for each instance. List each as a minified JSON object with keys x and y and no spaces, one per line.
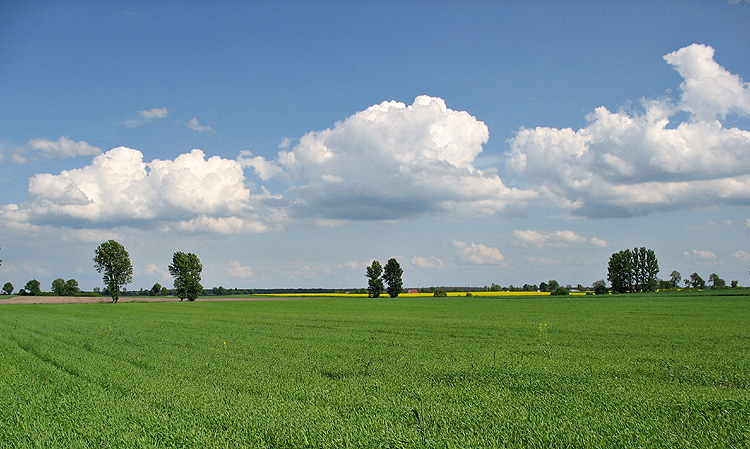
{"x":107,"y":299}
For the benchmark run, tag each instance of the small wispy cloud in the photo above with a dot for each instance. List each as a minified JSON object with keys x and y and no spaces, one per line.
{"x":285,"y":143}
{"x":426,"y":262}
{"x":196,"y":126}
{"x":699,"y":254}
{"x":146,"y":116}
{"x":63,"y":147}
{"x":153,"y":113}
{"x":238,"y":270}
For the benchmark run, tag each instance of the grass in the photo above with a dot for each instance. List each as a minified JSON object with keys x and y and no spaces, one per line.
{"x":623,"y":371}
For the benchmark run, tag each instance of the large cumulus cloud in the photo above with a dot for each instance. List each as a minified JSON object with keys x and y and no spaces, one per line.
{"x":190,"y":193}
{"x":630,"y":163}
{"x":392,"y":161}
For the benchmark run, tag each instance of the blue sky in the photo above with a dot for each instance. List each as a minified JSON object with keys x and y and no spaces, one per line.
{"x":288,"y":144}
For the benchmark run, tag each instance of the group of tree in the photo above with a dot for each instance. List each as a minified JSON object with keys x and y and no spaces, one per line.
{"x":390,"y":275}
{"x":61,"y":287}
{"x":113,"y":260}
{"x":633,"y":270}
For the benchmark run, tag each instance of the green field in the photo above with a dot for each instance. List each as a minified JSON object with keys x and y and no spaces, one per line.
{"x":664,"y":370}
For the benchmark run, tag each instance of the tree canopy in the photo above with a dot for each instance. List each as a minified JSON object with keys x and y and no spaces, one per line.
{"x":392,"y":277}
{"x":111,"y":258}
{"x":633,"y":271}
{"x":186,"y":269}
{"x":374,"y":282}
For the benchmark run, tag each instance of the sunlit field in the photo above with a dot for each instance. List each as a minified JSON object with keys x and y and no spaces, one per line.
{"x":623,"y":371}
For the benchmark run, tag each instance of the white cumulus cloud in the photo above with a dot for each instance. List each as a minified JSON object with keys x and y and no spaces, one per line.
{"x":392,"y":161}
{"x":477,"y":254}
{"x":265,"y":169}
{"x":708,"y":90}
{"x":190,"y":193}
{"x":741,"y":255}
{"x":633,"y":163}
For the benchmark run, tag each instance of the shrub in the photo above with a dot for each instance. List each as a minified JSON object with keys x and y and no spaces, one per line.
{"x":439,"y":293}
{"x":559,"y":291}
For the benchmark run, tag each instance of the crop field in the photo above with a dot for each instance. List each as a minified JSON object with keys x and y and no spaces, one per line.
{"x":625,"y":371}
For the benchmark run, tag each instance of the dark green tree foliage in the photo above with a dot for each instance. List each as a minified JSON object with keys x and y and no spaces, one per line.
{"x":559,"y":291}
{"x":374,"y":282}
{"x":8,"y":288}
{"x":600,"y":287}
{"x":186,"y":270}
{"x":155,"y":290}
{"x":633,"y":271}
{"x":392,"y":277}
{"x":72,"y":287}
{"x":716,"y":281}
{"x":696,"y":281}
{"x":33,"y":287}
{"x":59,"y":288}
{"x":111,"y":258}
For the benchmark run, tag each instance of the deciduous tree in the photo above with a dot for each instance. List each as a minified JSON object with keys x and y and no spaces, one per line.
{"x":716,"y":281}
{"x":600,"y":287}
{"x":186,"y":269}
{"x":675,"y":278}
{"x":72,"y":285}
{"x":696,"y":281}
{"x":33,"y":287}
{"x":8,"y":288}
{"x":111,"y":258}
{"x":59,"y":287}
{"x":374,"y":282}
{"x":392,"y":277}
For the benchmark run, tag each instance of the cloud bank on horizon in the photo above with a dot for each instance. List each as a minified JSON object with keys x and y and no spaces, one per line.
{"x":634,"y":163}
{"x":393,"y":161}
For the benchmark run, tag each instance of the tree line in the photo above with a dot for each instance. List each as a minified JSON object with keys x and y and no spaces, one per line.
{"x":628,"y":271}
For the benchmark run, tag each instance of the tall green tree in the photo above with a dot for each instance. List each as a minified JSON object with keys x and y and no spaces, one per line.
{"x":33,"y":287}
{"x":186,"y":269}
{"x":8,"y":288}
{"x":111,"y":258}
{"x":72,"y":285}
{"x":59,"y":287}
{"x":392,"y":276}
{"x":374,"y":282}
